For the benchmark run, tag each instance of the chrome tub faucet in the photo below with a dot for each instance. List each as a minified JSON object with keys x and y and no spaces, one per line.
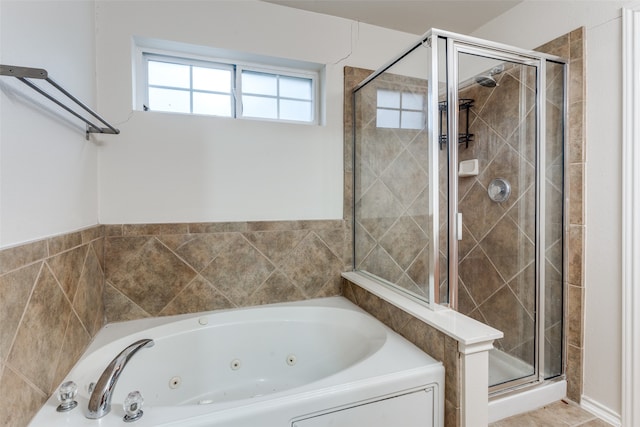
{"x":100,"y":400}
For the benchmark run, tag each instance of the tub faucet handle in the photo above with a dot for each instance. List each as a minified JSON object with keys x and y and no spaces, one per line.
{"x":66,"y":394}
{"x":133,"y":406}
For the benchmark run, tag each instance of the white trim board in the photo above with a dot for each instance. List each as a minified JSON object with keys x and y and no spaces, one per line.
{"x":631,"y":216}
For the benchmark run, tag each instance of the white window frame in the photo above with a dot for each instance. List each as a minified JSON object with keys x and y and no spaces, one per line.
{"x":147,"y":56}
{"x":280,"y":72}
{"x":141,"y":85}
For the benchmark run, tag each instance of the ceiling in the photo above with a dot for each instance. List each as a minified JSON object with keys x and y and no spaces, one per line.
{"x":411,"y":16}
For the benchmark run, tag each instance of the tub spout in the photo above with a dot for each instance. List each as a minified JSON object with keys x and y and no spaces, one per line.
{"x":100,"y":400}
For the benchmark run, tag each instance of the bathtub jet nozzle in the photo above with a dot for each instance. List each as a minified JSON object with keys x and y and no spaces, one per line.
{"x":100,"y":400}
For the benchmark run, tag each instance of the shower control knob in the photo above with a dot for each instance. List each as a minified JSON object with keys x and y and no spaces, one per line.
{"x":499,"y":190}
{"x":133,"y":406}
{"x":66,"y":394}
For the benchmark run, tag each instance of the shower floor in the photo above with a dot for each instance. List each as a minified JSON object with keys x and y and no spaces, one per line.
{"x":504,"y":368}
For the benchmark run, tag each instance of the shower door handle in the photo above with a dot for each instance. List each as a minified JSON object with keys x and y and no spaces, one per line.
{"x":459,"y":226}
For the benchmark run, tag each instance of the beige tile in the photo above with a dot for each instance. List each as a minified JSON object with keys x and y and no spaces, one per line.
{"x":577,"y":40}
{"x":276,"y":245}
{"x":88,"y":303}
{"x":595,"y":423}
{"x":479,"y":276}
{"x":576,"y":125}
{"x":64,"y":242}
{"x":113,"y":230}
{"x":576,"y":190}
{"x":574,"y":372}
{"x":198,"y":296}
{"x":217,"y":227}
{"x":67,"y":267}
{"x":311,"y":265}
{"x":151,"y":275}
{"x":556,"y":414}
{"x":575,"y":254}
{"x":198,"y":250}
{"x":575,"y":303}
{"x":25,"y":400}
{"x":15,"y":289}
{"x":239,"y":270}
{"x":41,"y":332}
{"x":119,"y":308}
{"x":277,"y":288}
{"x":154,"y":229}
{"x":92,"y":233}
{"x":19,"y":256}
{"x":76,"y":340}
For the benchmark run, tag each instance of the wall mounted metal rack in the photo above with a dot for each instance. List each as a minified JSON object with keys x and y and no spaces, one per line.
{"x":464,"y":104}
{"x":25,"y":73}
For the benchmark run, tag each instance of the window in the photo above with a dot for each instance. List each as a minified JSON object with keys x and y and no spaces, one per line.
{"x":182,"y":87}
{"x":276,"y":96}
{"x":400,"y":110}
{"x":218,"y":88}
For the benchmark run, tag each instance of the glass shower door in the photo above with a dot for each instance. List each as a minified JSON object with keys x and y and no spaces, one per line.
{"x":393,"y":226}
{"x":496,"y":179}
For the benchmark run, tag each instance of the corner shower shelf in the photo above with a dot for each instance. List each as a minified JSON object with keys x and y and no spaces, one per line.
{"x":464,"y":104}
{"x":25,"y":73}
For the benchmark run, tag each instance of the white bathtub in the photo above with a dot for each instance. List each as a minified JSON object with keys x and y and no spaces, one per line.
{"x":313,"y":363}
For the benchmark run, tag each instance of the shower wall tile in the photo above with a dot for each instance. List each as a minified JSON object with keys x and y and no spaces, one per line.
{"x":50,"y":300}
{"x":576,"y":132}
{"x":576,"y":190}
{"x":574,"y":233}
{"x":166,"y":269}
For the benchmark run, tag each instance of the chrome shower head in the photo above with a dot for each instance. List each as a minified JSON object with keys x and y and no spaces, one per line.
{"x":487,"y":80}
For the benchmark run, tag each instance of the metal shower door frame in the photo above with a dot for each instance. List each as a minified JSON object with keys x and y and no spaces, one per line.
{"x":455,"y":45}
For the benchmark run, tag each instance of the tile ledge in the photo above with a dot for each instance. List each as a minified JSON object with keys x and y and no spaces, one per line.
{"x":468,"y":332}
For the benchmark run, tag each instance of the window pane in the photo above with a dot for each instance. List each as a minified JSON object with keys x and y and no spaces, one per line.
{"x":388,"y":98}
{"x":259,"y":83}
{"x":412,"y":101}
{"x":412,"y":120}
{"x":212,"y":104}
{"x":212,"y":79}
{"x":388,"y":118}
{"x":296,"y":110}
{"x":257,"y":106}
{"x":165,"y":74}
{"x":169,"y":100}
{"x":295,"y":87}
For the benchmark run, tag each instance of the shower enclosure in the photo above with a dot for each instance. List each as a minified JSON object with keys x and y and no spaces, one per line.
{"x":459,"y":191}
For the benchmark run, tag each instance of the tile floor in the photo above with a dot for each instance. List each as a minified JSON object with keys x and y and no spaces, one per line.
{"x":560,"y":414}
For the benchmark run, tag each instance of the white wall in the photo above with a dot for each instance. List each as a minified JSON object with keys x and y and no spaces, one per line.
{"x":174,"y":168}
{"x":531,"y":24}
{"x":48,"y":177}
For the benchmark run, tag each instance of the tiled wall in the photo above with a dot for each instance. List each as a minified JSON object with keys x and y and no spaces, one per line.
{"x":572,"y":46}
{"x":55,"y":294}
{"x":50,"y":308}
{"x":156,"y":270}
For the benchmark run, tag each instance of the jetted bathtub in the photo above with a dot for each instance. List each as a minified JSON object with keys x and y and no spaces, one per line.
{"x":315,"y":363}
